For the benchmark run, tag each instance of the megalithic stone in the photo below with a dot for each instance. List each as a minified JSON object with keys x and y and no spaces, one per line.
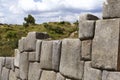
{"x":46,"y":55}
{"x":30,"y":41}
{"x":56,"y":54}
{"x":48,"y":75}
{"x":109,"y":75}
{"x":84,"y":17}
{"x":24,"y":65}
{"x":106,"y":45}
{"x":70,"y":64}
{"x":111,"y":9}
{"x":87,"y":26}
{"x":17,"y":58}
{"x":86,"y":30}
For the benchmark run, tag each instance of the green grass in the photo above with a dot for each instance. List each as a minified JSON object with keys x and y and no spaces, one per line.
{"x":10,"y":34}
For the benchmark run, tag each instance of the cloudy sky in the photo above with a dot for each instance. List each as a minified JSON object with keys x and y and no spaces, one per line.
{"x":14,"y":11}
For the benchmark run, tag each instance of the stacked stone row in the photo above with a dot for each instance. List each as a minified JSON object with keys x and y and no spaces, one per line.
{"x":95,"y":55}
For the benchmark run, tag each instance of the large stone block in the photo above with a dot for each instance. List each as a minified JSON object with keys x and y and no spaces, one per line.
{"x":9,"y":63}
{"x":38,"y":50}
{"x":106,"y":45}
{"x":60,"y":77}
{"x":2,"y":63}
{"x":56,"y":55}
{"x":17,"y":58}
{"x":48,"y":75}
{"x":86,"y":30}
{"x":12,"y":75}
{"x":34,"y":71}
{"x":32,"y":38}
{"x":32,"y":56}
{"x":86,"y":49}
{"x":91,"y":73}
{"x":111,"y":9}
{"x":5,"y":74}
{"x":84,"y":17}
{"x":107,"y":75}
{"x":24,"y":65}
{"x":70,"y":64}
{"x":17,"y":72}
{"x":21,"y":44}
{"x":46,"y":55}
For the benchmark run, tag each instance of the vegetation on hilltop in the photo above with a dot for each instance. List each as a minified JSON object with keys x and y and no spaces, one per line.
{"x":10,"y":34}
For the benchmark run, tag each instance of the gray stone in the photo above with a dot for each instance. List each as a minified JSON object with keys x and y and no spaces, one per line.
{"x":12,"y":75}
{"x":86,"y":49}
{"x":60,"y":77}
{"x":56,"y":55}
{"x":5,"y":74}
{"x":70,"y":64}
{"x":9,"y":63}
{"x":24,"y":65}
{"x":2,"y":63}
{"x":86,"y":30}
{"x":21,"y":44}
{"x":105,"y":47}
{"x":32,"y":56}
{"x":32,"y":38}
{"x":46,"y":55}
{"x":17,"y":72}
{"x":48,"y":75}
{"x":84,"y":17}
{"x":91,"y":73}
{"x":107,"y":75}
{"x":38,"y":49}
{"x":34,"y":71}
{"x":17,"y":58}
{"x":111,"y":9}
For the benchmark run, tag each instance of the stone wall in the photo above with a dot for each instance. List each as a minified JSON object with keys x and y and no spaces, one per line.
{"x":95,"y":55}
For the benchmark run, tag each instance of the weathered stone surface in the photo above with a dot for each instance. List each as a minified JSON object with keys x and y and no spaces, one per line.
{"x":17,"y":58}
{"x":5,"y":74}
{"x":2,"y":63}
{"x":21,"y":44}
{"x":86,"y":30}
{"x":34,"y":71}
{"x":70,"y":64}
{"x":84,"y":17}
{"x":105,"y":47}
{"x":110,"y":75}
{"x":48,"y":75}
{"x":60,"y":77}
{"x":111,"y":9}
{"x":17,"y":73}
{"x":12,"y":75}
{"x":32,"y":56}
{"x":86,"y":49}
{"x":90,"y":73}
{"x":69,"y":79}
{"x":24,"y":65}
{"x":32,"y":38}
{"x":9,"y":63}
{"x":56,"y":55}
{"x":38,"y":50}
{"x":46,"y":55}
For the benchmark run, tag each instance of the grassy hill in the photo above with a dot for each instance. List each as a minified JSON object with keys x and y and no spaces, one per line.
{"x":10,"y":34}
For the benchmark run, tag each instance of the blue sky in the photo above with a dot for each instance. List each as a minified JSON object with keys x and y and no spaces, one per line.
{"x":14,"y":11}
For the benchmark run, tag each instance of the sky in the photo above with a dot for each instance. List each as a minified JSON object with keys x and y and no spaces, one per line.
{"x":14,"y":11}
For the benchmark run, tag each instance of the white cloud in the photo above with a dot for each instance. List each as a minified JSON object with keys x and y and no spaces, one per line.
{"x":53,"y":5}
{"x":48,"y":10}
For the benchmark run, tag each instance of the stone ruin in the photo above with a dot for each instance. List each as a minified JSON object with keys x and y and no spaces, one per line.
{"x":95,"y":55}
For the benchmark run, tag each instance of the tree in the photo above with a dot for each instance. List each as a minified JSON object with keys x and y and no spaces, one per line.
{"x":30,"y":20}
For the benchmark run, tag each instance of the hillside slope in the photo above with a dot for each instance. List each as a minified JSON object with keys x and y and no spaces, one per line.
{"x":10,"y":34}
